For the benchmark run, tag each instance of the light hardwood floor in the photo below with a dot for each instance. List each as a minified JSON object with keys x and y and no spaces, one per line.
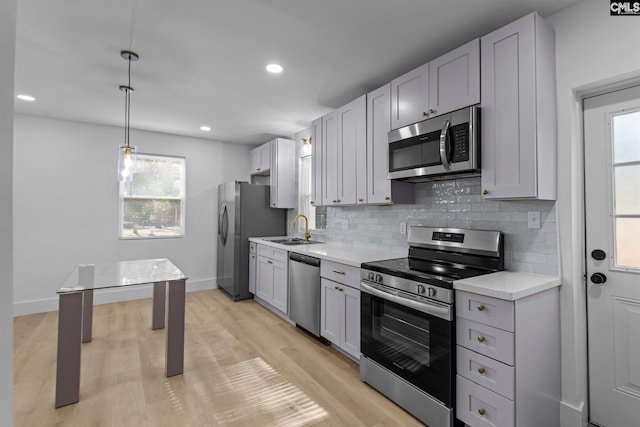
{"x":244,"y":366}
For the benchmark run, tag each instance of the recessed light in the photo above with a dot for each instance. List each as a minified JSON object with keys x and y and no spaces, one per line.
{"x":205,"y":128}
{"x":274,"y":68}
{"x":26,"y":98}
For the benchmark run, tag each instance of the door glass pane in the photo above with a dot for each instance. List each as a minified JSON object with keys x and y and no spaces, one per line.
{"x":627,"y":244}
{"x":626,"y":134}
{"x":627,"y":190}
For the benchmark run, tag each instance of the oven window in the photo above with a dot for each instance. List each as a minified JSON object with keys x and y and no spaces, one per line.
{"x":413,"y":345}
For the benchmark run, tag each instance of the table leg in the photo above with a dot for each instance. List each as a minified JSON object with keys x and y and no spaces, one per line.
{"x":159,"y":302}
{"x":69,"y":347}
{"x":87,"y":315}
{"x":175,"y":327}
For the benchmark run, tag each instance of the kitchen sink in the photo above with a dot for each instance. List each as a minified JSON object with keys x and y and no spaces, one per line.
{"x":293,"y":241}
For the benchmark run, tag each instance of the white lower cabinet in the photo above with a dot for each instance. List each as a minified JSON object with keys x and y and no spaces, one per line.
{"x":508,"y":360}
{"x":272,"y":277}
{"x":340,"y":306}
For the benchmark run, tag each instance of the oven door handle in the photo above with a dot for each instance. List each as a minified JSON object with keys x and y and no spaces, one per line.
{"x":441,"y":311}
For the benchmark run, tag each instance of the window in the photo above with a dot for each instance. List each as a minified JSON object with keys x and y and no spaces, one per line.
{"x":317,"y":215}
{"x":152,"y":204}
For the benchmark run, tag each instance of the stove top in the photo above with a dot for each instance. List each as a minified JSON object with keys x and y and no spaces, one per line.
{"x":440,"y":256}
{"x":425,"y":271}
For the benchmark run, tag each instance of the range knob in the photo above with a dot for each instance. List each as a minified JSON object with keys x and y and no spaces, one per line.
{"x":378,"y":278}
{"x":420,"y":289}
{"x":371,"y":277}
{"x":432,"y":292}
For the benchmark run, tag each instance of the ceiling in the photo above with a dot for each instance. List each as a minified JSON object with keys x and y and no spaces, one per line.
{"x":202,"y":62}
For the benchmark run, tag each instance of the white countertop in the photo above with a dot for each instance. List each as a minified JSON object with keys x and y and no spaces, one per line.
{"x":507,"y":285}
{"x":343,"y":254}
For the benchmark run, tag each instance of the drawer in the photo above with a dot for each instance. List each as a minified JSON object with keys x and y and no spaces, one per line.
{"x":252,"y":247}
{"x":494,"y":375}
{"x":478,"y":406}
{"x":487,"y":340}
{"x":273,"y":253}
{"x":341,"y":273}
{"x":490,"y":311}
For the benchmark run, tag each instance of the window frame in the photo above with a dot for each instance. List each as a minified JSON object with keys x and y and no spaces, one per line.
{"x":182,"y":198}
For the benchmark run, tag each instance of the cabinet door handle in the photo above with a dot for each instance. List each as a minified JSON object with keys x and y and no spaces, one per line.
{"x":485,"y":192}
{"x":480,"y":338}
{"x":360,"y":200}
{"x":335,"y":201}
{"x":338,"y":200}
{"x":481,"y":370}
{"x":338,"y":271}
{"x":387,"y":198}
{"x":258,"y":169}
{"x":271,"y":262}
{"x":337,"y":288}
{"x":431,"y":111}
{"x":312,"y":202}
{"x":481,"y":411}
{"x":480,"y":307}
{"x":424,"y":114}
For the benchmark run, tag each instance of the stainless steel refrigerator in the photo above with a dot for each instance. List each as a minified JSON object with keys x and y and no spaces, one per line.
{"x":243,"y":212}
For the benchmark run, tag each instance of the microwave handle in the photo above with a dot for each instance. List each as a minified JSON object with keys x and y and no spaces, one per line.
{"x":444,"y":145}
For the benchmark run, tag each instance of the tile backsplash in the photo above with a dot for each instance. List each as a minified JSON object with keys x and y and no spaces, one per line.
{"x":458,"y":204}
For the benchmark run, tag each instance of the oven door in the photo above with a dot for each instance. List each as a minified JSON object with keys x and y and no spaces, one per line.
{"x":416,"y":343}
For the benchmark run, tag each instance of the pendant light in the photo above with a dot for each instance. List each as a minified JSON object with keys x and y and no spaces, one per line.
{"x":127,"y":153}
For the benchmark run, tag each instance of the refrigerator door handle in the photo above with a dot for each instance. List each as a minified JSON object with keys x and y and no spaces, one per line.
{"x":225,"y":224}
{"x":220,"y":219}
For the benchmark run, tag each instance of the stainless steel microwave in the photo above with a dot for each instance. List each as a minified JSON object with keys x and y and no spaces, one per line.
{"x":436,"y":148}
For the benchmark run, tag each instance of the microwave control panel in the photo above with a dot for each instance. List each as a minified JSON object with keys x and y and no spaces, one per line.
{"x":460,"y":142}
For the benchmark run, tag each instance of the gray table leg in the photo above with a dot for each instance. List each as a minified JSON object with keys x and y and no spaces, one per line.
{"x":69,"y":347}
{"x":159,"y":305}
{"x":175,"y":327}
{"x":87,"y":315}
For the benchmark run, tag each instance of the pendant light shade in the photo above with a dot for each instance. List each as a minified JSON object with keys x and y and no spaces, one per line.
{"x":127,"y":153}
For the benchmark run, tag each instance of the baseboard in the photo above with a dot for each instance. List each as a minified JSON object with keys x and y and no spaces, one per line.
{"x":106,"y":296}
{"x":573,"y":416}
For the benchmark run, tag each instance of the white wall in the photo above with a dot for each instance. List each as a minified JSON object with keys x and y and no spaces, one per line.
{"x":66,"y":206}
{"x":7,"y":53}
{"x":592,"y":49}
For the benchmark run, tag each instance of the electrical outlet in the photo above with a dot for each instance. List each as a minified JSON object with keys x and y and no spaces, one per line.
{"x":533,"y":219}
{"x":403,"y":228}
{"x":345,"y":224}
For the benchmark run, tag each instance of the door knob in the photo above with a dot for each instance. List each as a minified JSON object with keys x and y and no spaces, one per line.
{"x":598,"y":254}
{"x":598,"y":278}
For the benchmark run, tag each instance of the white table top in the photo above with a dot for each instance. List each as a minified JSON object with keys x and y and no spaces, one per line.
{"x":343,"y":254}
{"x":507,"y":285}
{"x":118,"y":274}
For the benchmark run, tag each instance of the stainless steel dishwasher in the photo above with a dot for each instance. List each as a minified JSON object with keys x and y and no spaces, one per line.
{"x":304,"y":292}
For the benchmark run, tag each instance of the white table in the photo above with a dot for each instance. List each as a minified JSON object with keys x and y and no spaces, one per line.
{"x":75,"y":315}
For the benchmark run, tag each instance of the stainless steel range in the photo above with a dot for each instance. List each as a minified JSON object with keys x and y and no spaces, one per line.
{"x":407,"y":317}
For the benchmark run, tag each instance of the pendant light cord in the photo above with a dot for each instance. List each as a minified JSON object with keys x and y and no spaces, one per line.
{"x":127,"y":108}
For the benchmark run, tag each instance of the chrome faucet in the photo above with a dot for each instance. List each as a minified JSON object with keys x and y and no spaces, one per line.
{"x":307,"y":235}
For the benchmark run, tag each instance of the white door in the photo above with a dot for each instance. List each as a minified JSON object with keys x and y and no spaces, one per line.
{"x":612,"y":213}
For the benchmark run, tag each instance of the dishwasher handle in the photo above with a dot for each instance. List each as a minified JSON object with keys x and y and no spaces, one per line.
{"x":305,"y":259}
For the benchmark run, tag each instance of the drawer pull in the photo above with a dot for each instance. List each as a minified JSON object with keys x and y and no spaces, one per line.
{"x":481,"y":411}
{"x":270,"y":262}
{"x":480,"y":338}
{"x":480,"y":307}
{"x":481,"y":370}
{"x":338,"y":271}
{"x":337,"y":288}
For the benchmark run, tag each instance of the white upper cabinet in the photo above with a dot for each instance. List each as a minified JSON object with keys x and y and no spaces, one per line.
{"x":454,"y":79}
{"x":380,"y":189}
{"x":283,"y":171}
{"x":410,"y":97}
{"x":518,"y":111}
{"x":344,"y":147}
{"x":445,"y":84}
{"x":261,"y":159}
